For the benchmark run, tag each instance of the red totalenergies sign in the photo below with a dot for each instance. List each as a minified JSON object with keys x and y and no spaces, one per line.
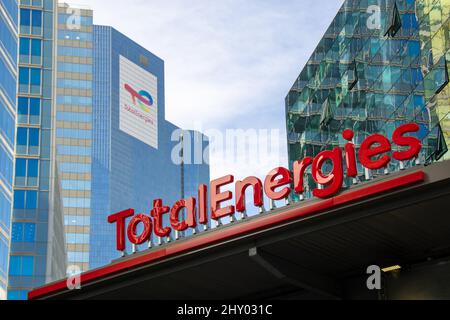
{"x":373,"y":154}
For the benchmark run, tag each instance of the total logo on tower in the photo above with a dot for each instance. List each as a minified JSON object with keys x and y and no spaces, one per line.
{"x":141,"y":99}
{"x":138,"y":102}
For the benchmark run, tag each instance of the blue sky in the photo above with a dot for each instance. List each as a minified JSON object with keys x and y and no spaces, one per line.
{"x":229,"y":63}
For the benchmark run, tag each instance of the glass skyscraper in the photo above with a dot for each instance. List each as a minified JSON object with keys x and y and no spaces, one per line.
{"x":380,"y":64}
{"x":9,"y":18}
{"x":37,"y":242}
{"x":434,"y":35}
{"x":194,"y":162}
{"x":83,"y":135}
{"x":132,"y":141}
{"x":74,"y":127}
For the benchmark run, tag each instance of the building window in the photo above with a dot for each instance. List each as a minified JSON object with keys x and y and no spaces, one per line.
{"x":73,"y":51}
{"x":78,"y":185}
{"x":5,"y":217}
{"x":68,"y":167}
{"x":74,"y":67}
{"x":17,"y":295}
{"x":27,"y":172}
{"x":74,"y":84}
{"x":30,"y":51}
{"x":74,"y":133}
{"x":74,"y":100}
{"x":25,"y":199}
{"x":409,"y":23}
{"x":441,"y":148}
{"x":80,"y":257}
{"x":31,"y":22}
{"x":34,"y":3}
{"x":29,"y":110}
{"x":77,"y":221}
{"x":30,"y":80}
{"x":84,"y":203}
{"x":28,"y":141}
{"x":442,"y":78}
{"x":23,"y":232}
{"x":74,"y":35}
{"x":4,"y":254}
{"x":143,"y":60}
{"x":21,"y":266}
{"x":74,"y":151}
{"x":74,"y":116}
{"x":77,"y":238}
{"x":6,"y":166}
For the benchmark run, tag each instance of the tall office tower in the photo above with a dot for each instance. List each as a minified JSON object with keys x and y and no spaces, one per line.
{"x":9,"y":17}
{"x":381,"y":63}
{"x":37,"y":253}
{"x":132,"y":141}
{"x":194,"y":166}
{"x":434,"y":34}
{"x":195,"y":162}
{"x":74,"y":127}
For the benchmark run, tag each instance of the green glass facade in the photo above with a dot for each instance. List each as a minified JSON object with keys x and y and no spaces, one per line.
{"x":434,"y":37}
{"x":380,"y":64}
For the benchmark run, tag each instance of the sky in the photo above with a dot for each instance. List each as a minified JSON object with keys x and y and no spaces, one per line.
{"x":229,"y":64}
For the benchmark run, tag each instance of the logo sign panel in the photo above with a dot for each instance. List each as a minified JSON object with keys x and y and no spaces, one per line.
{"x":138,"y":103}
{"x":375,"y":153}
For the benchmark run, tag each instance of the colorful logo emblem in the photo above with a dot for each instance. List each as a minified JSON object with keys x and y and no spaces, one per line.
{"x":141,"y":99}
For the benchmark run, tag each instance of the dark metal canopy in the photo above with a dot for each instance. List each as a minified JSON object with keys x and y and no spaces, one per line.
{"x":324,"y":255}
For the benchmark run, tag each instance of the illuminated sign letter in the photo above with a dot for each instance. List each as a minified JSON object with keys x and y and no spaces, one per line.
{"x":414,"y":144}
{"x":333,"y":181}
{"x":157,"y":213}
{"x":217,"y":198}
{"x":272,"y":183}
{"x":367,"y":152}
{"x":202,"y":204}
{"x":350,"y":154}
{"x":119,"y":219}
{"x":190,"y":222}
{"x":241,"y":187}
{"x":132,"y":226}
{"x":299,"y":174}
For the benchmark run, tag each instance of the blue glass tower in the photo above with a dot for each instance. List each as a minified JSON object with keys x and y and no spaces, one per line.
{"x":37,"y":253}
{"x":132,"y":141}
{"x":8,"y":78}
{"x":69,"y":154}
{"x":74,"y":128}
{"x":195,"y":163}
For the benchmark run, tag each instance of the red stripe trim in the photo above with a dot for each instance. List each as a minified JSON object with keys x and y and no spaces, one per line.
{"x":236,"y":231}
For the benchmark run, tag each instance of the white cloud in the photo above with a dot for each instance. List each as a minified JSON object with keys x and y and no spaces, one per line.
{"x":228,"y":63}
